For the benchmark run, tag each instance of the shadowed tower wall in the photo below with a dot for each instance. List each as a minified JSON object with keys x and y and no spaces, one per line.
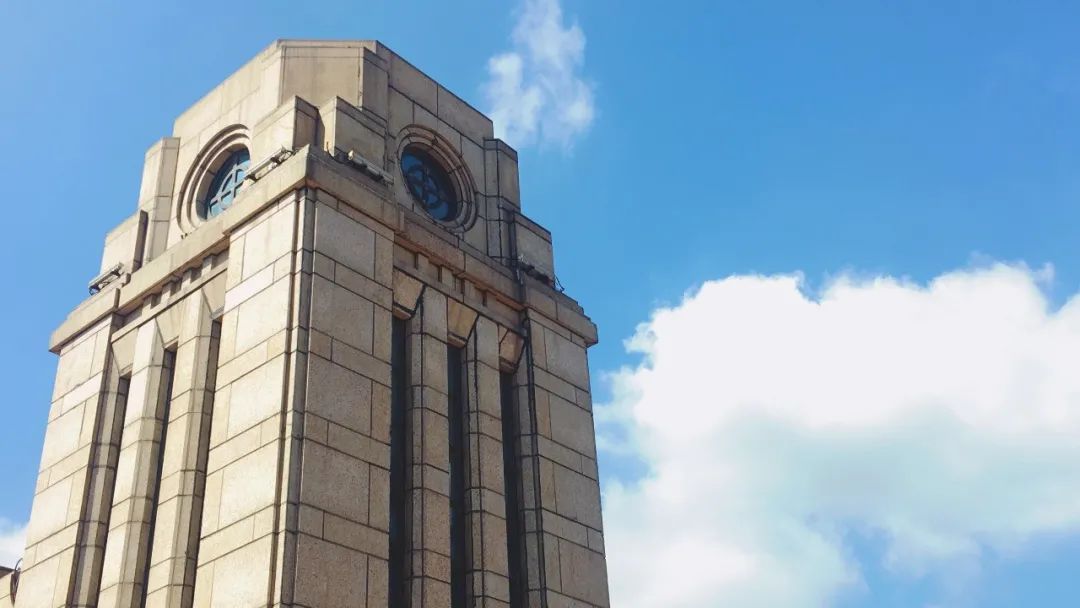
{"x":325,"y":364}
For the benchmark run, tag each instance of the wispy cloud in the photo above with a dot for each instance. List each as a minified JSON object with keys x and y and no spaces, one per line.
{"x":939,"y":422}
{"x":12,"y":542}
{"x":536,"y":92}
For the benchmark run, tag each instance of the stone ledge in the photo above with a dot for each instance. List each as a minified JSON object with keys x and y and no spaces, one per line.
{"x":89,"y":312}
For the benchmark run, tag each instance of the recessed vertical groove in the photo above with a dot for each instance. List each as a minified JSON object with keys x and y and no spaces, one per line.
{"x":458,"y":462}
{"x":95,"y":532}
{"x":399,"y":433}
{"x":195,"y":530}
{"x":512,"y":488}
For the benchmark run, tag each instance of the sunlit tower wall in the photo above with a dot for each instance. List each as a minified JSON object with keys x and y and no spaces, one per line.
{"x":325,"y":364}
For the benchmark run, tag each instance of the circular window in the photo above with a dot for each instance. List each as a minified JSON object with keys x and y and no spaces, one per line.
{"x":429,"y":184}
{"x":228,"y":180}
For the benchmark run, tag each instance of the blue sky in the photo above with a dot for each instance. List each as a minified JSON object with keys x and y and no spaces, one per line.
{"x":861,"y":144}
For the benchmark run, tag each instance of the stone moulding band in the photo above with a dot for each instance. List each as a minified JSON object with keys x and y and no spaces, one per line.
{"x":198,"y":178}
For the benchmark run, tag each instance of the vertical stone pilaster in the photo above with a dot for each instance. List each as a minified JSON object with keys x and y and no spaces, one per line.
{"x":130,"y":523}
{"x":79,"y":407}
{"x":171,"y":579}
{"x":488,"y":576}
{"x":99,"y":497}
{"x":295,"y":391}
{"x":155,"y":195}
{"x":535,"y":581}
{"x":428,"y":495}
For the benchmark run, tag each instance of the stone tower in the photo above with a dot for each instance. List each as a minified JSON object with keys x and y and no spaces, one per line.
{"x":325,"y":364}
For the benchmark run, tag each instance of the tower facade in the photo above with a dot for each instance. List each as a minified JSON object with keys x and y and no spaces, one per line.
{"x":325,"y":364}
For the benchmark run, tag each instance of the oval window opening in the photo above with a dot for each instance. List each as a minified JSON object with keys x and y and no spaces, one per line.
{"x":228,"y":180}
{"x":429,"y":184}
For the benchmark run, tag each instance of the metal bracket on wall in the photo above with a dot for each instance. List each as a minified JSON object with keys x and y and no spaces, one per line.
{"x":531,"y":270}
{"x":14,"y":580}
{"x":109,"y":276}
{"x":355,"y":159}
{"x":267,"y":164}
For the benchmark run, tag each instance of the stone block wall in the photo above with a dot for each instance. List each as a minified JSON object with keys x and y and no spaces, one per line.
{"x":5,"y":590}
{"x":250,"y":430}
{"x":563,"y":505}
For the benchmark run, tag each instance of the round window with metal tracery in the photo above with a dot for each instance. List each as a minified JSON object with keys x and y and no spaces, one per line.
{"x":228,"y":180}
{"x":429,"y":184}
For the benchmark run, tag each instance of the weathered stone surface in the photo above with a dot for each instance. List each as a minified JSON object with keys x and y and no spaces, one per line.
{"x":247,"y":485}
{"x":344,"y":240}
{"x":340,"y":313}
{"x":329,"y":574}
{"x":339,"y":395}
{"x":334,"y":482}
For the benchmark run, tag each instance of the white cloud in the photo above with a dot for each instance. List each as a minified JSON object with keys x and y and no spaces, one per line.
{"x":940,"y":420}
{"x":536,"y":92}
{"x":12,"y":542}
